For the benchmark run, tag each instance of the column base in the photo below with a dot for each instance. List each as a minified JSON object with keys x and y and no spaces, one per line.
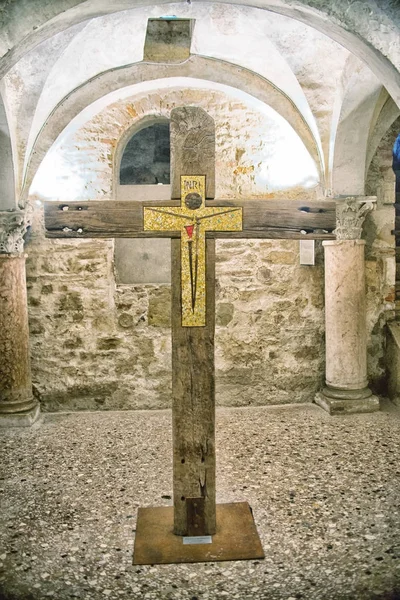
{"x":346,"y":406}
{"x":20,"y":419}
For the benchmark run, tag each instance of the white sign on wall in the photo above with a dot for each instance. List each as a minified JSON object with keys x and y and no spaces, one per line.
{"x":307,"y":252}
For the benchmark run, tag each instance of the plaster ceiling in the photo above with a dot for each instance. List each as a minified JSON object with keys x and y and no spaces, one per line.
{"x":370,"y":29}
{"x":328,"y":86}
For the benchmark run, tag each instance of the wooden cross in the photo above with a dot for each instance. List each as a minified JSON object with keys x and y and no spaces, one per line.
{"x":195,"y":513}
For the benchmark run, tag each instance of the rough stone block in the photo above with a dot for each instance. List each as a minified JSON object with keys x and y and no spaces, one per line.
{"x":281,"y":258}
{"x":71,"y":302}
{"x":159,"y":310}
{"x":125,"y":321}
{"x":108,"y":343}
{"x":168,"y":40}
{"x":224,"y":314}
{"x":36,"y":327}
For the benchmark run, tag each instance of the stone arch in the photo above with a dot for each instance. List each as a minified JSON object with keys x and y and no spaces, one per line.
{"x":353,"y":129}
{"x":6,"y":163}
{"x":387,"y":116}
{"x":357,"y":26}
{"x":197,"y":67}
{"x":385,"y":160}
{"x":209,"y":39}
{"x":380,"y":182}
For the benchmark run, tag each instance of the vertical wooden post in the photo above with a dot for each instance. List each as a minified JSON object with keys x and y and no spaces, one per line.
{"x":193,"y":409}
{"x":192,"y":147}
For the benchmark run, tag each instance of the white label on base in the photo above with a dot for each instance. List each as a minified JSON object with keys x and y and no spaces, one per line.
{"x":197,"y":539}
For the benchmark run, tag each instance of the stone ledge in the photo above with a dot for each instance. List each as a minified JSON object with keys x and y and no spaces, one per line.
{"x":342,"y":406}
{"x":23,"y":419}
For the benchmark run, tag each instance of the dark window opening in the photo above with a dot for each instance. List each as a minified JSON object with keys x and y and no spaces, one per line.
{"x":146,"y":158}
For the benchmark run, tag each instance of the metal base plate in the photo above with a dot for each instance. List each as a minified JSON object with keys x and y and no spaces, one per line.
{"x":236,"y":537}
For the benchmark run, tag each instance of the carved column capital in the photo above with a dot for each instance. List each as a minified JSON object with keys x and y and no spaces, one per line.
{"x":13,"y":226}
{"x":350,"y":215}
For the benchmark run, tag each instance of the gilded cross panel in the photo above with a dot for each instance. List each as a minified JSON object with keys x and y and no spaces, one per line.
{"x":193,"y":219}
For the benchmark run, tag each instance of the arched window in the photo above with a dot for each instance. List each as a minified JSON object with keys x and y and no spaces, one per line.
{"x":146,"y":158}
{"x":144,"y":174}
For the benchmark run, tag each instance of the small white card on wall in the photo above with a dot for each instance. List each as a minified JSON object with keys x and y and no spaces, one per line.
{"x":307,"y":252}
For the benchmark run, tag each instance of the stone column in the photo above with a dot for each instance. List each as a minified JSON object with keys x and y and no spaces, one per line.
{"x":346,"y":389}
{"x":17,"y":404}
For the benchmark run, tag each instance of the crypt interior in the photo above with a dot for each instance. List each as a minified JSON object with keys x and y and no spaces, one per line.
{"x":305,"y":99}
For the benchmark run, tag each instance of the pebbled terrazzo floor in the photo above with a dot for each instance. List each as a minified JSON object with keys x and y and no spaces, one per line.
{"x":325,"y":492}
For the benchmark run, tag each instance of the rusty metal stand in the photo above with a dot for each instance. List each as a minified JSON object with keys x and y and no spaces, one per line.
{"x":236,"y":537}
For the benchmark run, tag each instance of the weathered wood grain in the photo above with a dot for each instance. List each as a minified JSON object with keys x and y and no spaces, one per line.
{"x":278,"y":219}
{"x":192,"y":133}
{"x":195,"y":515}
{"x":193,"y":404}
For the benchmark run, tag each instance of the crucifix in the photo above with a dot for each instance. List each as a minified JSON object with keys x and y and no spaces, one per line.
{"x":195,"y":528}
{"x":193,"y":219}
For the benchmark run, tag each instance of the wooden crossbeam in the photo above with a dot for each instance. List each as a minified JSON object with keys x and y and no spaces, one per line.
{"x":274,"y":219}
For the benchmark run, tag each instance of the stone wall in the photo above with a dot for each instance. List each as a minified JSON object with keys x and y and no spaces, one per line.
{"x":380,"y":257}
{"x":270,"y":324}
{"x":96,"y":344}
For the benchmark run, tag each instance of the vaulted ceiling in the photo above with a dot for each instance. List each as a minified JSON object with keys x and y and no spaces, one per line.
{"x":329,"y":68}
